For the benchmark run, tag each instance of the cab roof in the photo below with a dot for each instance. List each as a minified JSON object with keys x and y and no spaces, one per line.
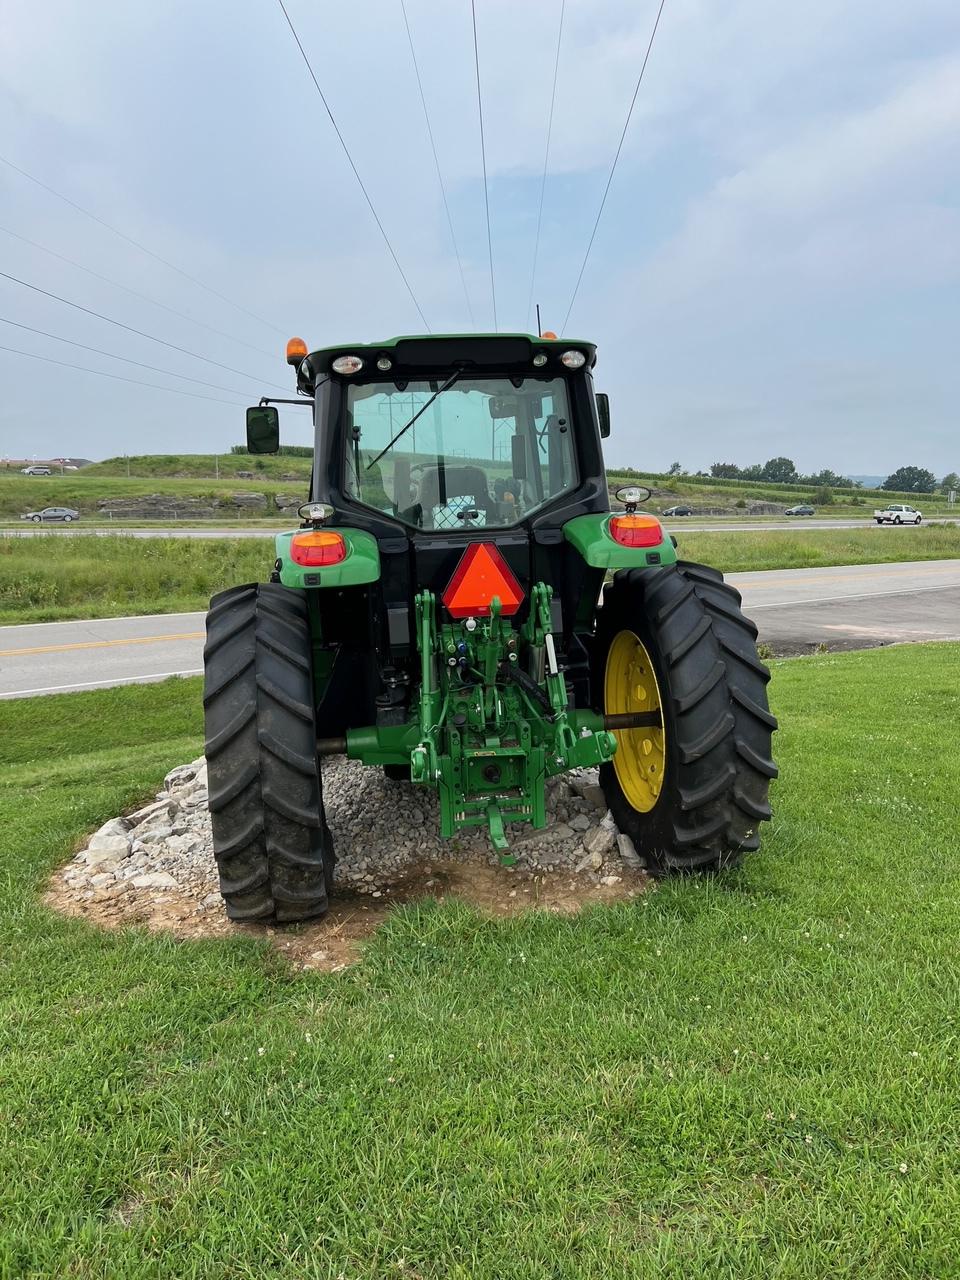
{"x":510,"y":352}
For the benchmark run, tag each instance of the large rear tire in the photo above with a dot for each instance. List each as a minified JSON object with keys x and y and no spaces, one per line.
{"x":270,"y":837}
{"x":692,"y":789}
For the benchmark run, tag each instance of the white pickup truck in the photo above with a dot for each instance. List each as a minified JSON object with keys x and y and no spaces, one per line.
{"x":898,"y":513}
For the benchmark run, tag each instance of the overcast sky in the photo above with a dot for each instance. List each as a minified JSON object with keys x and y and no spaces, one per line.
{"x":776,"y":270}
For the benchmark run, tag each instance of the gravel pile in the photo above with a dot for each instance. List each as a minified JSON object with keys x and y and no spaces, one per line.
{"x":382,"y":830}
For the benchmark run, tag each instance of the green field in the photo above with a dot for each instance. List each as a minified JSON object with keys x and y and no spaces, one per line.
{"x":57,"y":577}
{"x":754,"y":1076}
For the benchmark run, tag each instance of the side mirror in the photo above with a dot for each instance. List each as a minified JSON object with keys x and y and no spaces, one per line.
{"x":263,"y":429}
{"x":603,"y":413}
{"x":518,"y":457}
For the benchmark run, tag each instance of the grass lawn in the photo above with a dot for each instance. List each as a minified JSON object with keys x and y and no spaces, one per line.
{"x":750,"y":1077}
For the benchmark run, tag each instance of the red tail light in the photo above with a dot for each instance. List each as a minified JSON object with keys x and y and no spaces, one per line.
{"x":636,"y":531}
{"x":482,"y":574}
{"x":317,"y":548}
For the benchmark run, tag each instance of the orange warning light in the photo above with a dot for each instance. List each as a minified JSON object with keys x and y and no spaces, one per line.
{"x":482,"y":574}
{"x":548,"y":333}
{"x":296,"y":350}
{"x":318,"y":548}
{"x":636,"y":531}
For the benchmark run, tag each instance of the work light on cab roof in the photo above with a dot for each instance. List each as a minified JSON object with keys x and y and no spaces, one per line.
{"x":462,"y":608}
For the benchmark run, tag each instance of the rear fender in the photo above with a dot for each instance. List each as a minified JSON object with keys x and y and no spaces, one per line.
{"x":360,"y":565}
{"x":590,"y":535}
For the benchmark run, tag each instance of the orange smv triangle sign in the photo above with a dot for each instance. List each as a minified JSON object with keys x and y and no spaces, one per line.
{"x":481,"y":574}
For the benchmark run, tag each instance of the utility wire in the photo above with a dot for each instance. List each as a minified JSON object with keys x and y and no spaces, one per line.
{"x":356,"y":172}
{"x":613,"y":167}
{"x":137,"y":245}
{"x":56,"y":337}
{"x":129,"y":328}
{"x":436,"y":160}
{"x":483,"y":157}
{"x":546,"y":160}
{"x":117,"y":377}
{"x":133,"y":292}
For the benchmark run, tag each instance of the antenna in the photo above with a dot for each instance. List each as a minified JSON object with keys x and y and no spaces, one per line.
{"x":539,"y":328}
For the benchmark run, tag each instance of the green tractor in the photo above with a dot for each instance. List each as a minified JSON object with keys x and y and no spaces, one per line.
{"x":461,"y":608}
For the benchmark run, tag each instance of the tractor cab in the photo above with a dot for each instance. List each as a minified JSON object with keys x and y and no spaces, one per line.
{"x":447,"y":434}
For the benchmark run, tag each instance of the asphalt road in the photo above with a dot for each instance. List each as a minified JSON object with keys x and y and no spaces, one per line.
{"x":677,"y":526}
{"x":851,"y":606}
{"x":60,"y":657}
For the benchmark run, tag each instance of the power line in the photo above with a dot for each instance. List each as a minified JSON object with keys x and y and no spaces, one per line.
{"x":436,"y":160}
{"x":129,"y":328}
{"x":483,"y":157}
{"x":546,"y":160}
{"x":113,"y":356}
{"x":118,"y":378}
{"x":613,"y":167}
{"x":133,"y":292}
{"x":356,"y":172}
{"x":137,"y":245}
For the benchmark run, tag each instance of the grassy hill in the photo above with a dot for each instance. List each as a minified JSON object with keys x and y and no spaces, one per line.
{"x":225,"y":499}
{"x":206,"y":466}
{"x":710,"y":491}
{"x":224,"y":485}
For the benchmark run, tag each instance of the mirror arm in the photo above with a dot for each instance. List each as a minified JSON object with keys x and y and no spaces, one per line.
{"x":307,"y":404}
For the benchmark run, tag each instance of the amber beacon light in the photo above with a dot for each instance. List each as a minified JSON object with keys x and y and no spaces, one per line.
{"x":296,"y":351}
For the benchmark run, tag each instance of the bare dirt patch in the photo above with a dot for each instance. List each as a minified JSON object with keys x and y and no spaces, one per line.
{"x":154,"y":868}
{"x":334,"y":941}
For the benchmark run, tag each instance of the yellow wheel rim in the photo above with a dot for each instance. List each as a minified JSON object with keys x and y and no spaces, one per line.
{"x":630,"y":685}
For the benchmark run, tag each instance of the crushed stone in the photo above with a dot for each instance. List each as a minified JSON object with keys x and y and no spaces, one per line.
{"x":155,"y":866}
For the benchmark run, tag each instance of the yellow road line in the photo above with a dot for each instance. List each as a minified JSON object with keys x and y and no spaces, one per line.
{"x":98,"y":644}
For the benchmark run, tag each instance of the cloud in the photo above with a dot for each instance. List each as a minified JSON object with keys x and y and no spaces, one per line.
{"x":855,"y":198}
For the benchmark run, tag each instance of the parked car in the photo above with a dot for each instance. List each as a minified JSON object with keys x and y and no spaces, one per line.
{"x":802,"y":510}
{"x":36,"y":470}
{"x":898,"y":513}
{"x":66,"y":514}
{"x":680,"y":510}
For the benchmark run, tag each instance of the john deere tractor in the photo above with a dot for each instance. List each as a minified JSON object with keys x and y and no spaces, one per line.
{"x":461,"y":608}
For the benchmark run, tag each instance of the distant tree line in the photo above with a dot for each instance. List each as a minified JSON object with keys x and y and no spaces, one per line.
{"x":783,"y":471}
{"x":919,"y":480}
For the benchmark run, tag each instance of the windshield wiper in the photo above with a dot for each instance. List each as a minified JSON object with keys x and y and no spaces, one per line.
{"x":403,"y":430}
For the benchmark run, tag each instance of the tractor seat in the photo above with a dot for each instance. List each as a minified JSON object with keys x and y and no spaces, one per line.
{"x":464,"y":487}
